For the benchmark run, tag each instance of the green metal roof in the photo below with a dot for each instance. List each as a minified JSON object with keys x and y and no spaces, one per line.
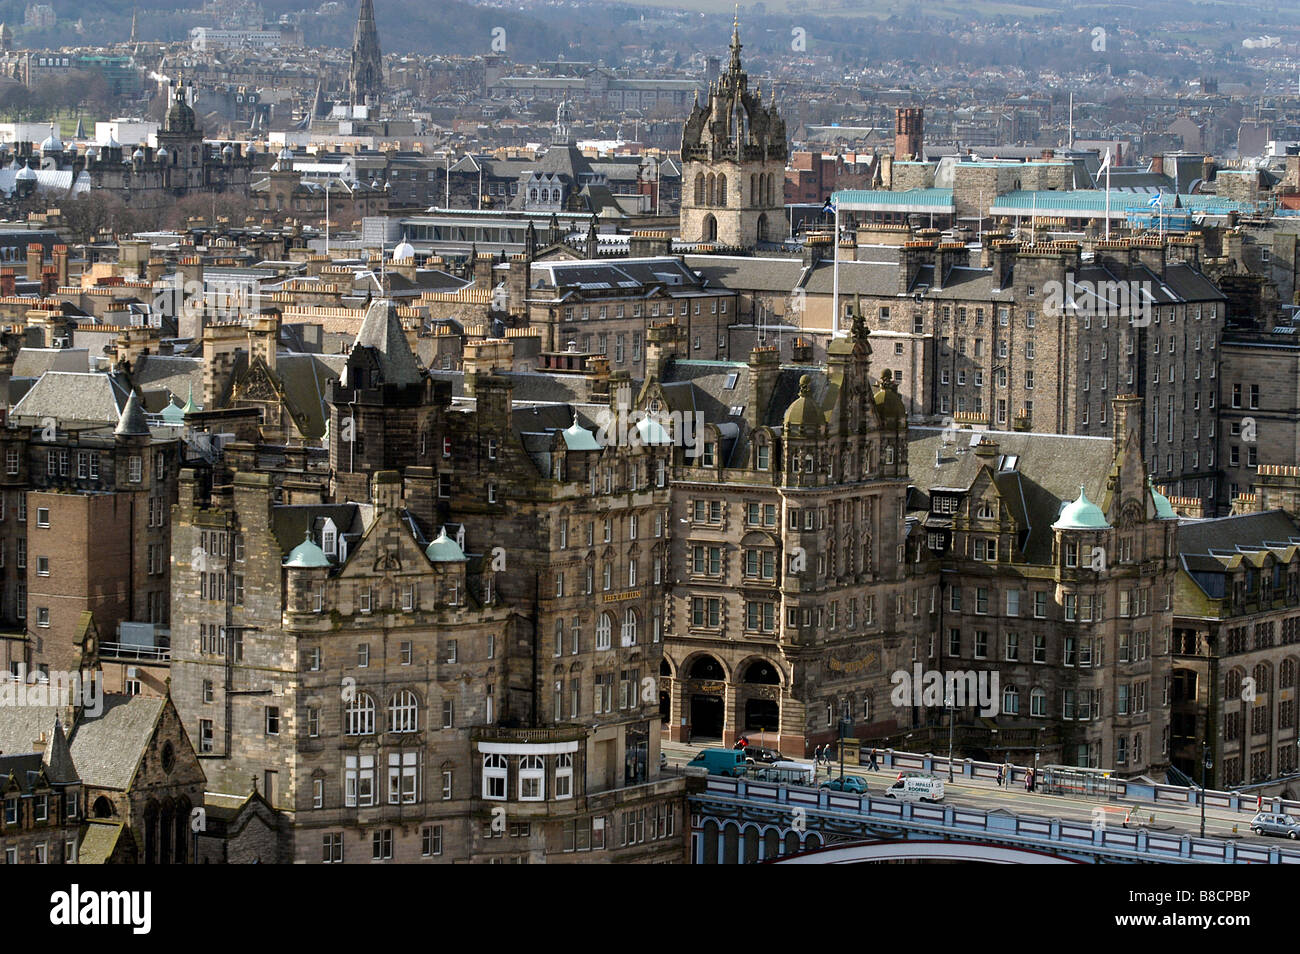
{"x":1082,"y":514}
{"x":578,"y":438}
{"x":444,"y":549}
{"x":1164,"y":509}
{"x":307,"y":555}
{"x":918,"y":200}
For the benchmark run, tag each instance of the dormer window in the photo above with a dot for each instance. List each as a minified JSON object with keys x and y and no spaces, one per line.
{"x":329,"y":538}
{"x":732,"y":378}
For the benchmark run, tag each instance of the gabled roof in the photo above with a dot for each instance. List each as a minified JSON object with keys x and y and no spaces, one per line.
{"x":107,"y":748}
{"x":381,"y":331}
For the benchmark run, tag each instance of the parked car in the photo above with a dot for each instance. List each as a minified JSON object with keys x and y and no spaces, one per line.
{"x":854,"y":784}
{"x":758,"y":754}
{"x":729,"y":762}
{"x":916,"y":787}
{"x":1284,"y":826}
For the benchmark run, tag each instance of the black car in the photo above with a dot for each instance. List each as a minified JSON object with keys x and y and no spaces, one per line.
{"x":766,"y":756}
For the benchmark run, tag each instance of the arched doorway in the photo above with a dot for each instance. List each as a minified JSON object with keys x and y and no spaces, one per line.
{"x":762,"y":692}
{"x":761,"y":234}
{"x":708,"y":708}
{"x":710,"y":230}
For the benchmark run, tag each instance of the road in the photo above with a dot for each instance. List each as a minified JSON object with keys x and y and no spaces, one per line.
{"x":986,"y":796}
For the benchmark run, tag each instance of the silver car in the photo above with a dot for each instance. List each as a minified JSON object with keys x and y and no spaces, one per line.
{"x":1267,"y":823}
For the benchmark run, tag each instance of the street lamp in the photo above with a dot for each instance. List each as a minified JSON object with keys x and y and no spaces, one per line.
{"x":951,"y":716}
{"x":1206,"y":763}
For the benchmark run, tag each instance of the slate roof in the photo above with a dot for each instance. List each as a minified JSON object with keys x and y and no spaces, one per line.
{"x":382,"y":331}
{"x":777,"y":275}
{"x":169,"y":373}
{"x":1243,"y":530}
{"x":107,"y":748}
{"x":99,"y":841}
{"x":33,"y":362}
{"x":303,"y":377}
{"x":1047,"y":473}
{"x":291,"y":522}
{"x":74,"y":398}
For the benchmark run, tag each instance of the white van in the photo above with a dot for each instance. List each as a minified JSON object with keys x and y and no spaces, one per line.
{"x":916,"y":787}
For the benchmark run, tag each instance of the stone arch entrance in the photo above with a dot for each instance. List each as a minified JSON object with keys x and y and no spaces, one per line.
{"x":706,"y":687}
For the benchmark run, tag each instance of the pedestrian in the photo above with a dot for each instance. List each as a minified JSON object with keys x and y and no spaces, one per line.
{"x":1029,"y":780}
{"x":873,"y":765}
{"x":1001,"y":773}
{"x":1011,"y":771}
{"x":817,"y":758}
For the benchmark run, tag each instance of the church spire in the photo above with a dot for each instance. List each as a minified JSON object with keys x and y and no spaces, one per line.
{"x":366,"y":68}
{"x":735,"y":42}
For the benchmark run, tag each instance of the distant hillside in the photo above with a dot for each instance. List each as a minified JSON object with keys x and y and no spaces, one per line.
{"x":405,"y":26}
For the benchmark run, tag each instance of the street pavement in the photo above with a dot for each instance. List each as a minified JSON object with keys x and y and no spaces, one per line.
{"x":987,"y":796}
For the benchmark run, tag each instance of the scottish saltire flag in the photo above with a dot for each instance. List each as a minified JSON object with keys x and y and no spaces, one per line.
{"x":829,"y":207}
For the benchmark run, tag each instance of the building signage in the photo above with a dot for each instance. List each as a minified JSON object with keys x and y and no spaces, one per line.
{"x":620,"y":597}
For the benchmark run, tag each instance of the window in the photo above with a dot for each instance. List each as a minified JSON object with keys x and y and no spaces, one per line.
{"x":42,"y":516}
{"x":494,"y":776}
{"x":359,"y":781}
{"x":403,"y":778}
{"x":272,"y":720}
{"x":532,"y":778}
{"x":382,"y":845}
{"x":403,"y":712}
{"x":359,"y":716}
{"x":205,"y":735}
{"x":431,"y":840}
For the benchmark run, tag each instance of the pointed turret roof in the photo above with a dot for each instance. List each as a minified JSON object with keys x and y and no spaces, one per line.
{"x":132,"y":423}
{"x":381,"y":330}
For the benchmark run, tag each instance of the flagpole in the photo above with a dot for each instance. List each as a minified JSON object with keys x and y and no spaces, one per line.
{"x":835,"y":277}
{"x":1108,"y":195}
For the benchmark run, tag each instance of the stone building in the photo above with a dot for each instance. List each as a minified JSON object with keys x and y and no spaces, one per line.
{"x":84,"y":521}
{"x":788,"y":514}
{"x":733,"y":164}
{"x":39,"y":789}
{"x":1014,"y":335}
{"x":1057,"y":561}
{"x":1237,"y":644}
{"x":607,"y":307}
{"x":181,"y":165}
{"x":358,"y":649}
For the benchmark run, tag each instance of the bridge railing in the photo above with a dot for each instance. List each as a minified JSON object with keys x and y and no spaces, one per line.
{"x":1130,"y":789}
{"x":1052,"y":834}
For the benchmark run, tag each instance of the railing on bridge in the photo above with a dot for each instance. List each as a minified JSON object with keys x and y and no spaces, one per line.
{"x":766,"y":805}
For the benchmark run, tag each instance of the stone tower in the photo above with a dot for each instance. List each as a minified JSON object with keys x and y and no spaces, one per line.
{"x":366,"y":68}
{"x":909,"y":132}
{"x":734,"y":152}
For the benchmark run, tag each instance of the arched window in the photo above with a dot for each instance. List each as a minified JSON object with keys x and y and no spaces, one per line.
{"x":713,"y":188}
{"x":753,"y":189}
{"x":494,"y":776}
{"x":1011,"y":700}
{"x":629,"y":627}
{"x":1037,"y":703}
{"x":866,"y":708}
{"x":564,"y":775}
{"x":359,"y":717}
{"x":404,"y":712}
{"x":1263,"y":677}
{"x":532,"y":778}
{"x":604,"y":627}
{"x":722,"y":190}
{"x":1286,"y":674}
{"x":532,"y":195}
{"x":699,"y":188}
{"x":1232,"y":684}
